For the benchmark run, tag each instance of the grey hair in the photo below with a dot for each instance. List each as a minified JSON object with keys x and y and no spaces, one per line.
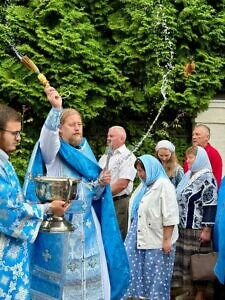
{"x":203,"y":126}
{"x":121,"y":130}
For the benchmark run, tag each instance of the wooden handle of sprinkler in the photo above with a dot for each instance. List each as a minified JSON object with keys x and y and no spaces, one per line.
{"x":43,"y":80}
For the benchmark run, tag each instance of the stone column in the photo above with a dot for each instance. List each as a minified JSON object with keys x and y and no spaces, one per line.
{"x":214,"y":118}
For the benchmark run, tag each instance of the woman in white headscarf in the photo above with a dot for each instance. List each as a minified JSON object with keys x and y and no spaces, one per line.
{"x":197,"y":200}
{"x":152,"y":234}
{"x":165,"y":152}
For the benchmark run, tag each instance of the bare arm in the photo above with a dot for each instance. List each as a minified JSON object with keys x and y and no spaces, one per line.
{"x":119,"y":185}
{"x":167,"y":234}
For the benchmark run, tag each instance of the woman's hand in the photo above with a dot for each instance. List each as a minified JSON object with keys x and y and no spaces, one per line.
{"x":205,"y":235}
{"x":166,"y":246}
{"x":167,"y":236}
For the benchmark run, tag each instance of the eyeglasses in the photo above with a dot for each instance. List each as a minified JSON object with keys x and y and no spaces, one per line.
{"x":14,"y":133}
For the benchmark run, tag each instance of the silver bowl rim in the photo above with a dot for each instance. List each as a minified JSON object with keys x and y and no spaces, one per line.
{"x":55,"y":179}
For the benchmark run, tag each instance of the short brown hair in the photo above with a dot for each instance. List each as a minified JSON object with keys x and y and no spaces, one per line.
{"x":8,"y":114}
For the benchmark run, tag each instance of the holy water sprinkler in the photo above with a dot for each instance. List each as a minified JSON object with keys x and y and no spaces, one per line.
{"x":31,"y":66}
{"x":109,"y":153}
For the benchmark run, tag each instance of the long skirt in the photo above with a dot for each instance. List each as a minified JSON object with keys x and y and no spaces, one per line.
{"x":187,"y":244}
{"x":151,"y":269}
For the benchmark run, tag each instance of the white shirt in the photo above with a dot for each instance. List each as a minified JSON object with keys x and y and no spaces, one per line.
{"x":121,"y":165}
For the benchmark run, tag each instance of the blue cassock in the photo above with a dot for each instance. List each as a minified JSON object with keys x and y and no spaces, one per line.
{"x":71,"y":261}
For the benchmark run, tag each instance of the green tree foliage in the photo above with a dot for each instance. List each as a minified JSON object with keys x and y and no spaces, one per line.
{"x":117,"y":62}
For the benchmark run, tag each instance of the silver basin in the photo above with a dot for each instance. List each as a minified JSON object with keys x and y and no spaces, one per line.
{"x":52,"y":188}
{"x":55,"y":188}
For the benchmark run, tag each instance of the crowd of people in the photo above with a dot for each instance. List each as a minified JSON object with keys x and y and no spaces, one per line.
{"x":126,"y":243}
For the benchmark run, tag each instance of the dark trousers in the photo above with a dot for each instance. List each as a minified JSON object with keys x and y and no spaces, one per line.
{"x":121,"y":207}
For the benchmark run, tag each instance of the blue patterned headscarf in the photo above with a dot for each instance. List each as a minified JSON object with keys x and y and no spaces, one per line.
{"x":201,"y":162}
{"x":154,"y":170}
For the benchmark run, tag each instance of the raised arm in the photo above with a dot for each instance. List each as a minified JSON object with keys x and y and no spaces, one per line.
{"x":49,"y":137}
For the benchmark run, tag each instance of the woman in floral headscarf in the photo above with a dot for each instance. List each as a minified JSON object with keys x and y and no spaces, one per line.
{"x":197,"y":200}
{"x":150,"y":242}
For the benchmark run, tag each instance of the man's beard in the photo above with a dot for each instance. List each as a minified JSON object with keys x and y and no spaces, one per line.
{"x":75,"y":140}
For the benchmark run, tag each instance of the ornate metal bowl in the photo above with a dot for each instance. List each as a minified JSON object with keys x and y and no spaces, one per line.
{"x":51,"y":188}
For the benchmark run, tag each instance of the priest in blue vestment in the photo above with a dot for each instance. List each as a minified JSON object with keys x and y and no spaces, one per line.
{"x":89,"y":263}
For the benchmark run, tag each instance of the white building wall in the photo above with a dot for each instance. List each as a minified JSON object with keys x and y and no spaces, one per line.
{"x":214,"y":118}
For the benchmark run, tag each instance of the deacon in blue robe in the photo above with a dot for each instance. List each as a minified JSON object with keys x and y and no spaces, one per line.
{"x":19,"y":225}
{"x":20,"y":219}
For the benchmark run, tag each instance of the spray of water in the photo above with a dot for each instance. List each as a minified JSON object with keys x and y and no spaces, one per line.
{"x":8,"y":35}
{"x":166,"y":70}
